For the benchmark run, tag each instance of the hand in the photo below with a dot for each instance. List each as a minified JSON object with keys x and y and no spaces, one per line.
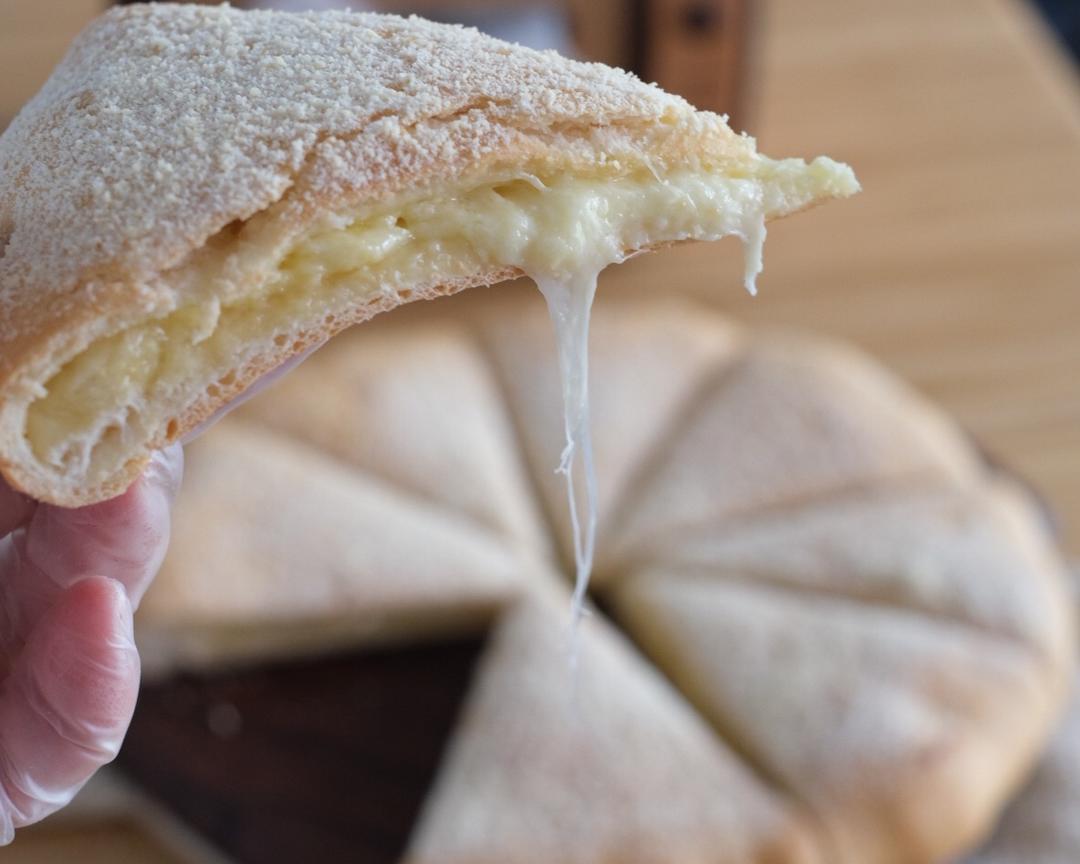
{"x":69,"y":671}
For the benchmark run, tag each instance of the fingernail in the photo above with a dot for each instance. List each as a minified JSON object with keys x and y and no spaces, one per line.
{"x":124,"y":606}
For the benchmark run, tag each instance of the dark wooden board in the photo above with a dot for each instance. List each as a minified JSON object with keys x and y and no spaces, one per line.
{"x":323,"y":760}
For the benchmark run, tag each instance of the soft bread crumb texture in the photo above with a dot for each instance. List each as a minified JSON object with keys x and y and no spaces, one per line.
{"x":126,"y":384}
{"x":198,"y":194}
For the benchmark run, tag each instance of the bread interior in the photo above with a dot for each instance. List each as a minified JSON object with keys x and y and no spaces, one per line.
{"x":130,"y":387}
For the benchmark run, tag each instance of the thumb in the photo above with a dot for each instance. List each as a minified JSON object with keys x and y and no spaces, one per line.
{"x":124,"y":538}
{"x":68,"y":702}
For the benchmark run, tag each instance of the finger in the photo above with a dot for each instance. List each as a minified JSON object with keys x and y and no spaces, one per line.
{"x":15,"y":509}
{"x":67,"y":705}
{"x":125,"y":538}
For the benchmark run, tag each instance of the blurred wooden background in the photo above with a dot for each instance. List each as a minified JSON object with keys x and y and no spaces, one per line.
{"x":959,"y":265}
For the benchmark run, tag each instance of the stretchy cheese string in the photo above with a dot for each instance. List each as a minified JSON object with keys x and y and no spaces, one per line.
{"x":569,"y":301}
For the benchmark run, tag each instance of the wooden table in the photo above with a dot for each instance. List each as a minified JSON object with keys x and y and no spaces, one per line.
{"x":959,"y":264}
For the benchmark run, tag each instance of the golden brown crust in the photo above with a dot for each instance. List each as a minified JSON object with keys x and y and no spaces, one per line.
{"x":115,"y":177}
{"x":99,"y":198}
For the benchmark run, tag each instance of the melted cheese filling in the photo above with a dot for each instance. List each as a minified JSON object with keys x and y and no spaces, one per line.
{"x":560,"y":231}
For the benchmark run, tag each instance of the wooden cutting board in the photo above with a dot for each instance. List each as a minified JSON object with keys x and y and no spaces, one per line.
{"x":315,"y":760}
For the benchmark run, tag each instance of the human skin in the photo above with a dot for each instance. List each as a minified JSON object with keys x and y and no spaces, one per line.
{"x":70,"y":580}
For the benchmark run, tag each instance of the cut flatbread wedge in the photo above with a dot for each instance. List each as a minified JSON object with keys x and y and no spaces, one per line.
{"x":279,"y":548}
{"x":976,"y":555}
{"x":199,"y":193}
{"x":413,"y":377}
{"x":794,"y":421}
{"x":541,"y":771}
{"x":894,"y":703}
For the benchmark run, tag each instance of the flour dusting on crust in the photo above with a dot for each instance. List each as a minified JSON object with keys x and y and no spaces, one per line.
{"x":206,"y":115}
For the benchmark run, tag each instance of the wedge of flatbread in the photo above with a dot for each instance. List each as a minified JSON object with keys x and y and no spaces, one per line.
{"x":538,"y":770}
{"x":264,"y":564}
{"x":200,"y":193}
